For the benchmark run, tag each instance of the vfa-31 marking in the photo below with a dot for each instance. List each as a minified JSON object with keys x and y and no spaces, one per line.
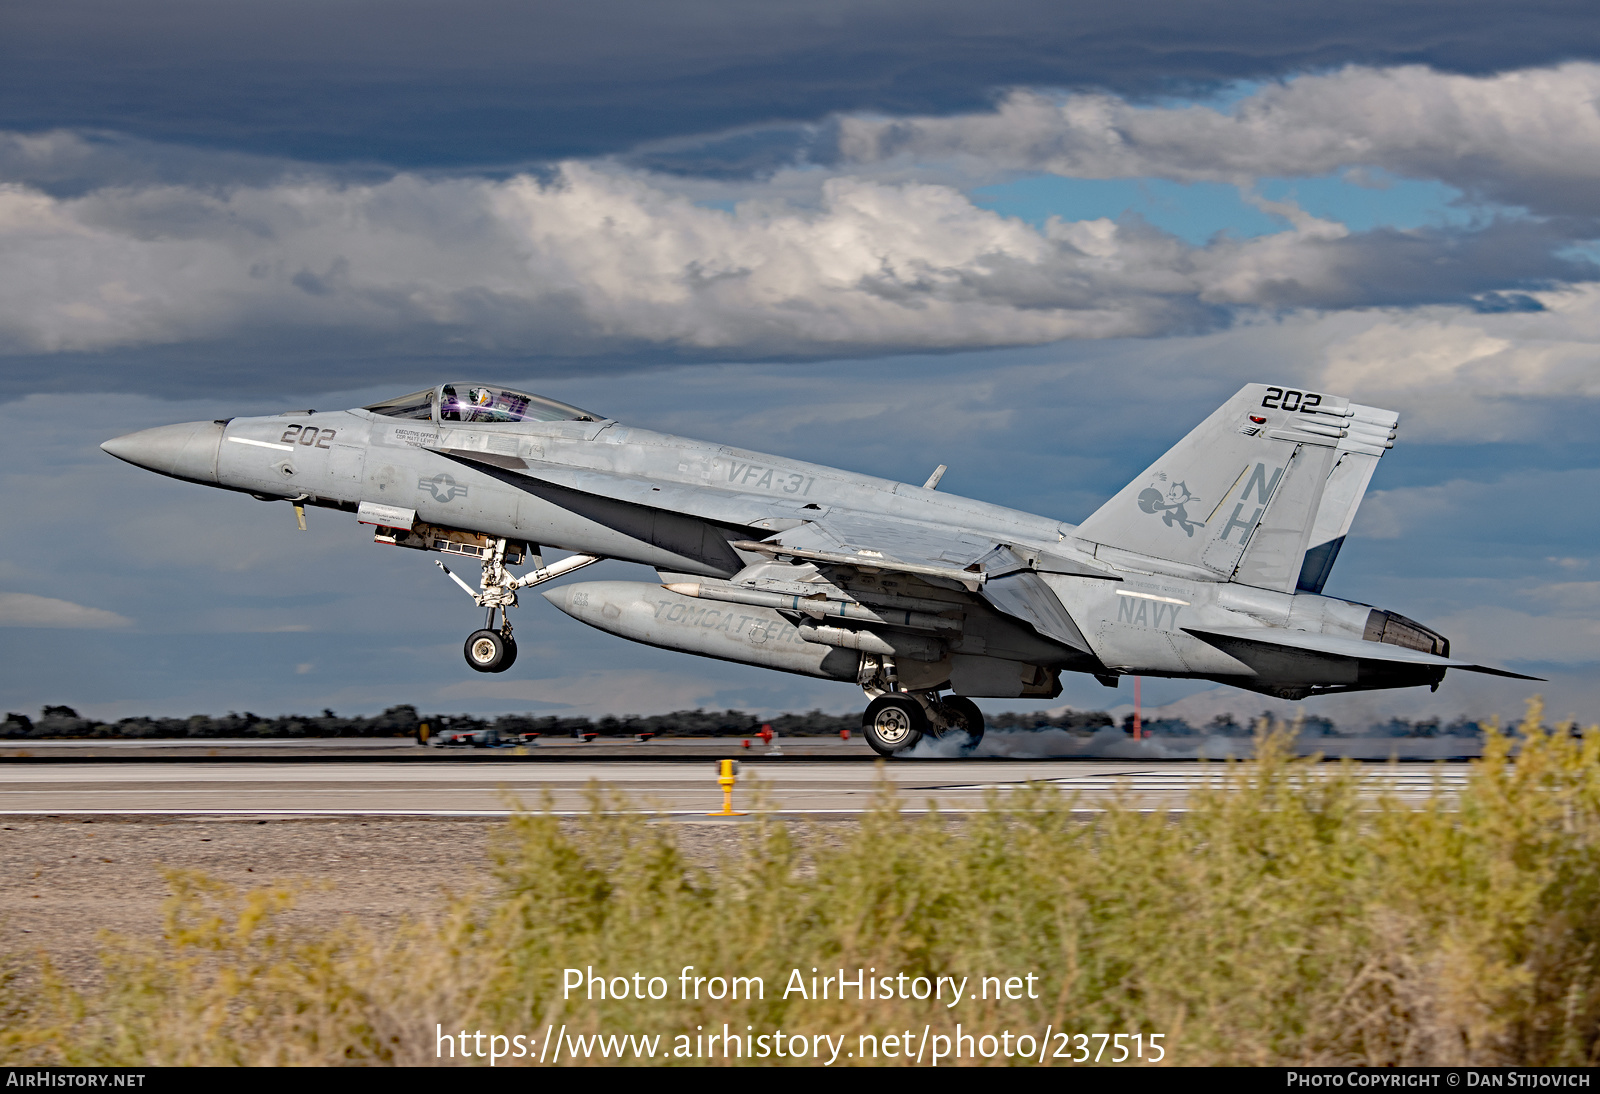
{"x":1210,"y":565}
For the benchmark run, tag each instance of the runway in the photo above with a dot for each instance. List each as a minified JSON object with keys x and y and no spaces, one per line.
{"x":682,"y":790}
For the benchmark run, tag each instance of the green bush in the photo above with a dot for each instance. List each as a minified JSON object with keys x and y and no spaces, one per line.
{"x":1293,"y":915}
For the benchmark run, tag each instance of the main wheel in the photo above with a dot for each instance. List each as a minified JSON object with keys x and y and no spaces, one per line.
{"x":893,"y":723}
{"x":965,"y":717}
{"x":486,"y":651}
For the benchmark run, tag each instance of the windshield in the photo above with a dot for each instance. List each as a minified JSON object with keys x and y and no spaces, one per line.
{"x":419,"y":404}
{"x":485,"y":403}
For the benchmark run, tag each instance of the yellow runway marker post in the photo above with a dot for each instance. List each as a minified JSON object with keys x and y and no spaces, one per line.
{"x":727,"y":771}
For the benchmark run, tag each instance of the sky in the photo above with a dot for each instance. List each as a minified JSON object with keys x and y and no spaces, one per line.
{"x":1034,"y":241}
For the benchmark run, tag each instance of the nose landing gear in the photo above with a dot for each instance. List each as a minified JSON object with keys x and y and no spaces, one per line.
{"x":494,"y":649}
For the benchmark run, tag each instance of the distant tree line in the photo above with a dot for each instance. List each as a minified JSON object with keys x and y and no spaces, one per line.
{"x":405,"y":721}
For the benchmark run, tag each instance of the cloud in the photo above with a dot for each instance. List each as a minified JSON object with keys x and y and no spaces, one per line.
{"x":498,"y":81}
{"x":1529,"y":138}
{"x":1569,"y":596}
{"x":595,"y":261}
{"x":1505,"y":632}
{"x":71,"y":163}
{"x":125,"y":256}
{"x":1508,"y":510}
{"x":28,"y":610}
{"x":1455,"y":374}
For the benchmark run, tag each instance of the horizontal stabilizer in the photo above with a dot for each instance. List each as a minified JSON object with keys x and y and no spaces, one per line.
{"x":1336,"y":646}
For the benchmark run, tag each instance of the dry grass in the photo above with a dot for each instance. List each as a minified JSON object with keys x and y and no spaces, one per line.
{"x":1288,"y":918}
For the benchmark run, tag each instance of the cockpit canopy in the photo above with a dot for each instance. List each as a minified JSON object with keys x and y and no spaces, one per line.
{"x":462,"y":402}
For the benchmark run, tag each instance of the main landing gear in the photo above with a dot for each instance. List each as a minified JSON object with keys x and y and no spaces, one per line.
{"x":494,"y":649}
{"x":895,"y":723}
{"x":896,"y":720}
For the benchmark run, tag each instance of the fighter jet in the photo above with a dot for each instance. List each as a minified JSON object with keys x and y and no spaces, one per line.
{"x":1209,"y":565}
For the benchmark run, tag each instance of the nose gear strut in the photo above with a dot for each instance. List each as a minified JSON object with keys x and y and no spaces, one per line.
{"x":494,"y":649}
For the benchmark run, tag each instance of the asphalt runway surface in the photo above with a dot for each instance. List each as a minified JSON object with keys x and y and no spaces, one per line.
{"x":682,"y":786}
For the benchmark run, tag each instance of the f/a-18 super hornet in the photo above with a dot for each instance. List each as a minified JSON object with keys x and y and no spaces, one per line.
{"x":1209,"y":565}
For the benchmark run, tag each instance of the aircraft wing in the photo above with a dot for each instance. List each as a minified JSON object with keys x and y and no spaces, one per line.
{"x":842,"y":537}
{"x":1335,"y":646}
{"x":826,"y":537}
{"x":973,"y":558}
{"x":1009,"y":582}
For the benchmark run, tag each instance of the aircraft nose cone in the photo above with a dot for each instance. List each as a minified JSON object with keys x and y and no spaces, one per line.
{"x":185,"y":451}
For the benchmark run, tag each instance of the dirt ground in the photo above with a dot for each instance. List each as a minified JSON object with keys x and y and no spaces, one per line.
{"x":65,"y":880}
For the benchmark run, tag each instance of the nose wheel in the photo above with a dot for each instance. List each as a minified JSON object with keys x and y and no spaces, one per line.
{"x":490,"y":651}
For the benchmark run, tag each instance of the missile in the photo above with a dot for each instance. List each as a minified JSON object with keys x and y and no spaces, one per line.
{"x":893,"y":644}
{"x":820,"y":607}
{"x":749,"y":634}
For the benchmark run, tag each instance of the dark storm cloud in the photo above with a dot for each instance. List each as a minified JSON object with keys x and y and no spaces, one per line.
{"x":423,"y":82}
{"x":68,"y":164}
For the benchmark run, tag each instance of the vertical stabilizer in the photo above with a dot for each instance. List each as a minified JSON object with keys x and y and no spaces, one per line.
{"x":1246,"y":495}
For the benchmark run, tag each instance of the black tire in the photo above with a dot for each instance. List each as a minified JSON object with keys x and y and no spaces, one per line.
{"x":965,"y":717}
{"x":511,"y":654}
{"x":486,"y":651}
{"x":893,"y":723}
